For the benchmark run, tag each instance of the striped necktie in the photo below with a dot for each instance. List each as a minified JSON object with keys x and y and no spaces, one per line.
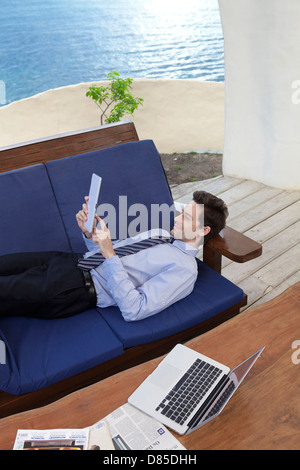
{"x":95,"y":260}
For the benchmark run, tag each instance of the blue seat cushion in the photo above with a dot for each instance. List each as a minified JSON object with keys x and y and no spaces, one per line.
{"x":42,"y":352}
{"x":212,"y":295}
{"x":132,"y":170}
{"x":30,"y":217}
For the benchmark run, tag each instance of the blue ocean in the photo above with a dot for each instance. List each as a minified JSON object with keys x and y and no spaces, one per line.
{"x":47,"y":44}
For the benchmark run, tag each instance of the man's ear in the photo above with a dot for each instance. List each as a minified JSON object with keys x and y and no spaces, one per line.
{"x":205,"y":230}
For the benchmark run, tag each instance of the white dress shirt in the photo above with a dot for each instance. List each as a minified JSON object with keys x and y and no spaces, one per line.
{"x":147,"y":282}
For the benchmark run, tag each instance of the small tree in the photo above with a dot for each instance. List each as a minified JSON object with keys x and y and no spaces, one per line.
{"x":115,"y":97}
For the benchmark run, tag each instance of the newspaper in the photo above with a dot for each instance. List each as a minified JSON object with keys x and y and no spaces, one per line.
{"x":96,"y":437}
{"x":54,"y":439}
{"x":131,"y":429}
{"x":126,"y":428}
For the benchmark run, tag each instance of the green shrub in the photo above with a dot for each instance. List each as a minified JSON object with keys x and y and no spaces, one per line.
{"x":114,"y":100}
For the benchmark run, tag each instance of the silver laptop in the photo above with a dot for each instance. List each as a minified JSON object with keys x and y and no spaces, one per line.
{"x":188,"y":389}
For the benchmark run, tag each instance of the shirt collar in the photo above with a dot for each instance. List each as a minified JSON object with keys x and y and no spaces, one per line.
{"x":186,"y":247}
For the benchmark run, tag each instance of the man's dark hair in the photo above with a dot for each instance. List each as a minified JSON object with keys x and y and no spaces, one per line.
{"x":215,"y":212}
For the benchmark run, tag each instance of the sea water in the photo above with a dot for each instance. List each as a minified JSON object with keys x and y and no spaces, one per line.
{"x":46,"y":44}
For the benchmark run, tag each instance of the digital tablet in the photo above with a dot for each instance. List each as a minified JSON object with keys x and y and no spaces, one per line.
{"x":93,"y":201}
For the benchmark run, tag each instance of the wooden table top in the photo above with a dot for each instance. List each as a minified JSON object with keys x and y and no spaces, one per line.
{"x":264,"y":413}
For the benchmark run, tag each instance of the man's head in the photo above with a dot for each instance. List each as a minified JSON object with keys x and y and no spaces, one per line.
{"x":201,"y":219}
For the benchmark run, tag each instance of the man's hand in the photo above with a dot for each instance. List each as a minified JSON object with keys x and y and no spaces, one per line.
{"x":82,"y":217}
{"x":102,"y":238}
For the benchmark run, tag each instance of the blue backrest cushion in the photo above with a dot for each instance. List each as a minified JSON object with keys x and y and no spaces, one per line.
{"x":30,"y":219}
{"x":133,"y":171}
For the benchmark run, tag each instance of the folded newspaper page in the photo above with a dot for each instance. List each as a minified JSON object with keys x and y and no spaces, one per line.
{"x":96,"y":437}
{"x":126,"y":428}
{"x":131,"y":429}
{"x":55,"y":439}
{"x":99,"y":437}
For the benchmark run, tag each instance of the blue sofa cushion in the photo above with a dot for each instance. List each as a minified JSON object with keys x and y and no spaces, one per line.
{"x":42,"y":352}
{"x":133,"y":170}
{"x":31,"y":219}
{"x":212,"y":294}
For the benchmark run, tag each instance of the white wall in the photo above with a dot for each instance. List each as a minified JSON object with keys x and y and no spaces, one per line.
{"x":178,"y":115}
{"x":262,"y":109}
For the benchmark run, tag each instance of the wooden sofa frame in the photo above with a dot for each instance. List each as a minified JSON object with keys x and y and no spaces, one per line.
{"x":229,"y":243}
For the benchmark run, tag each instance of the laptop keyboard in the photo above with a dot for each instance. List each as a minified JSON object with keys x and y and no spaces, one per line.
{"x":189,"y":391}
{"x":221,"y":400}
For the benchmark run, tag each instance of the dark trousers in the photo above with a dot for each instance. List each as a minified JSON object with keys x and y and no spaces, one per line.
{"x":43,"y":285}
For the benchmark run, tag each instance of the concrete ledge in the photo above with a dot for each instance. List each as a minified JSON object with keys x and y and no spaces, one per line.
{"x":178,"y":115}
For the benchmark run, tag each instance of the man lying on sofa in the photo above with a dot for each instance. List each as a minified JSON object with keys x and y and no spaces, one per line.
{"x":52,"y":285}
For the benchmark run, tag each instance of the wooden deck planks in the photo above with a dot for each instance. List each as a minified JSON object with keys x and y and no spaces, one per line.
{"x":270,"y":216}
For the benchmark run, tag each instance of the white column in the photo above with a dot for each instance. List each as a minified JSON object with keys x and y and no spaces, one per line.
{"x":262,"y":90}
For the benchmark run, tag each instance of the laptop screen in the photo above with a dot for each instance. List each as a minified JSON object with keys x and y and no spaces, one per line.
{"x":235,"y":378}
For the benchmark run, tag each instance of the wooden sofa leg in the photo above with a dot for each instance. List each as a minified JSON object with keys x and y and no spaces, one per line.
{"x":212,"y":258}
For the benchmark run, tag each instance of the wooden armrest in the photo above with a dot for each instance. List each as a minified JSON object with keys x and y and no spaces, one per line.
{"x":232,"y":244}
{"x":235,"y":246}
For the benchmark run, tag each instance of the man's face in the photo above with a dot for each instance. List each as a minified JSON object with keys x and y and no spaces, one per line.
{"x":187,"y":225}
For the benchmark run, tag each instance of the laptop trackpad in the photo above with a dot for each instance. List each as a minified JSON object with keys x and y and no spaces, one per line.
{"x":165,"y":376}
